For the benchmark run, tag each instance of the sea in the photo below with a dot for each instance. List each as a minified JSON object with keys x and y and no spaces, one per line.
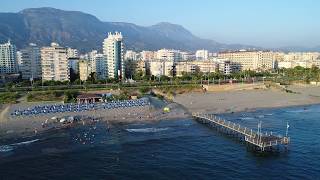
{"x":171,"y":149}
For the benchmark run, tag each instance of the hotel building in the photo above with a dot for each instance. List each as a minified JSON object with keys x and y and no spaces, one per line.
{"x":54,"y":62}
{"x":113,"y":49}
{"x":250,"y":60}
{"x":194,"y":66}
{"x":30,"y":65}
{"x":8,"y":59}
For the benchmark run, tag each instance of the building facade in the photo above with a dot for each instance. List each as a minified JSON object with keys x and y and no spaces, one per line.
{"x":100,"y":66}
{"x":202,"y":55}
{"x":131,"y":55}
{"x":160,"y":68}
{"x":113,"y":49}
{"x":168,"y":55}
{"x":195,"y":66}
{"x":72,"y":53}
{"x":55,"y":65}
{"x":74,"y":64}
{"x":250,"y":60}
{"x":147,"y":55}
{"x":30,"y":67}
{"x":8,"y":58}
{"x":84,"y":70}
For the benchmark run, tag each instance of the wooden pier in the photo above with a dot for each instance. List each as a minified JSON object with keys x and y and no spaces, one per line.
{"x":258,"y":140}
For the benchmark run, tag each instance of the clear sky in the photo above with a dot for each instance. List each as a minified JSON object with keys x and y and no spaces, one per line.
{"x":267,"y":23}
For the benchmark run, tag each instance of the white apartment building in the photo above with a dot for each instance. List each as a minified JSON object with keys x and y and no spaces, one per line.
{"x":30,"y":65}
{"x":168,"y":55}
{"x":19,"y":61}
{"x":228,"y":67}
{"x":187,"y":56}
{"x":84,"y":70}
{"x":8,"y":59}
{"x":301,"y":56}
{"x":147,"y":55}
{"x":194,"y":66}
{"x":160,"y":67}
{"x":294,"y":59}
{"x":91,"y":56}
{"x":131,"y":55}
{"x":72,"y":53}
{"x":202,"y":55}
{"x":250,"y":60}
{"x":113,"y":49}
{"x":54,"y":63}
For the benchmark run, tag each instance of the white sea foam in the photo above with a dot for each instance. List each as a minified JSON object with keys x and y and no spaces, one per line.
{"x":25,"y":142}
{"x":147,"y":130}
{"x":269,"y":114}
{"x":10,"y":147}
{"x":298,"y":111}
{"x":6,"y":148}
{"x":247,"y":118}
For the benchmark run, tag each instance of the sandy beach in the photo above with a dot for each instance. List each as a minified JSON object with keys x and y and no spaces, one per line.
{"x":26,"y":125}
{"x":184,"y":104}
{"x":248,"y":100}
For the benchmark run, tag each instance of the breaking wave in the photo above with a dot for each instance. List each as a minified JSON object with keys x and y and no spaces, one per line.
{"x":247,"y":118}
{"x":6,"y":148}
{"x":10,"y":147}
{"x":147,"y":130}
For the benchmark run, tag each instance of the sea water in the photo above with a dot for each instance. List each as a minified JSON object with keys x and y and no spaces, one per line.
{"x":175,"y":149}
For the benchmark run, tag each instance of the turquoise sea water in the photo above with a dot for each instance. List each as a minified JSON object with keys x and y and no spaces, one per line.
{"x":180,"y":149}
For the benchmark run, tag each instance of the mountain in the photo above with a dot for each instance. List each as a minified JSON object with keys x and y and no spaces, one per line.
{"x":298,"y":49}
{"x":85,"y":32}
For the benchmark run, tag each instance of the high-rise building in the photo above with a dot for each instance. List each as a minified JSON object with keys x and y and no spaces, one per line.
{"x":113,"y":49}
{"x":19,"y":61}
{"x":8,"y":59}
{"x":54,"y":63}
{"x":100,"y":66}
{"x":84,"y":70}
{"x":74,"y":64}
{"x":30,"y":66}
{"x":92,"y":59}
{"x":72,"y":53}
{"x":202,"y":55}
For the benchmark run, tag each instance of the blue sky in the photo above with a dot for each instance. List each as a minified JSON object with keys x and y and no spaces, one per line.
{"x":267,"y":23}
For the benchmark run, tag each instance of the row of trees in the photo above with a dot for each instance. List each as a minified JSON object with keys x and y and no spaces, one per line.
{"x":294,"y":74}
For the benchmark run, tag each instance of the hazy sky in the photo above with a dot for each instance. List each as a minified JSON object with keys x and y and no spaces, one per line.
{"x":267,"y":23}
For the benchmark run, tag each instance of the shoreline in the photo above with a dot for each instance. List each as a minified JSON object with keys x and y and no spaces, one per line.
{"x":21,"y":126}
{"x":182,"y":107}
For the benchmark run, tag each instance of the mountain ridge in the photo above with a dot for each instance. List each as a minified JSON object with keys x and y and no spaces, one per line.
{"x":86,"y":32}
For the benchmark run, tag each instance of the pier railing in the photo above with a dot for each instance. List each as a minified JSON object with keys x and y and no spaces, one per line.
{"x":261,"y":140}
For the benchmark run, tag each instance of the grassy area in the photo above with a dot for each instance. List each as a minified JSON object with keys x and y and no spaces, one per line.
{"x":66,"y":96}
{"x":9,"y":97}
{"x":45,"y":96}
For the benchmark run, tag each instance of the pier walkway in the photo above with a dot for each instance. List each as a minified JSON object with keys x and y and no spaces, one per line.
{"x":261,"y":141}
